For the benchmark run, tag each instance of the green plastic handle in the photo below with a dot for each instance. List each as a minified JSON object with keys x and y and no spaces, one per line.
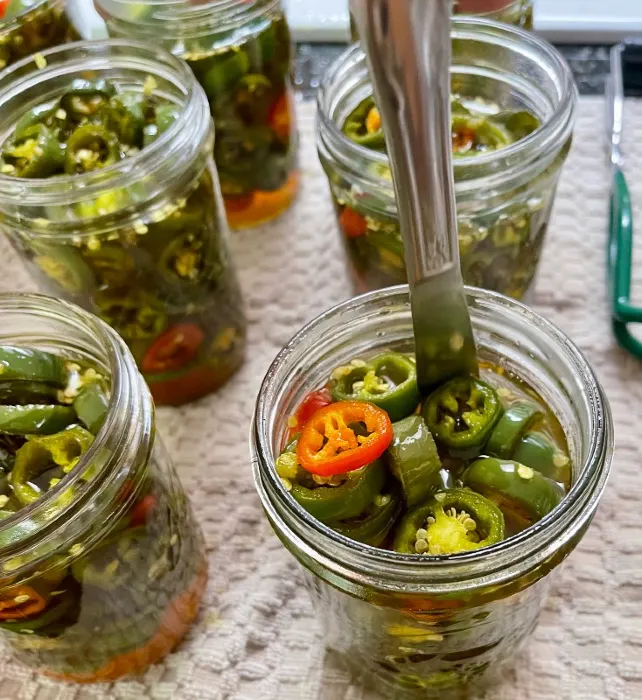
{"x":620,"y":259}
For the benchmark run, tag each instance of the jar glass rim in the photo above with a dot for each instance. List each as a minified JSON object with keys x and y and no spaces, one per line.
{"x":82,"y":56}
{"x":554,"y":130}
{"x":124,"y":401}
{"x":496,"y":563}
{"x":179,"y":19}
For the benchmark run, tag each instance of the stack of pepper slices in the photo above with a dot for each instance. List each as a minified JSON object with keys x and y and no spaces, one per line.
{"x":477,"y":461}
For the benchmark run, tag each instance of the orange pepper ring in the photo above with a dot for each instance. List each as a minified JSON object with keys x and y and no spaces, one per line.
{"x":12,"y":609}
{"x":329,"y":446}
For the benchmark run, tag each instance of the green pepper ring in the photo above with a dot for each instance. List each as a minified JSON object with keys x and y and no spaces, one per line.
{"x":519,"y":490}
{"x":349,"y":500}
{"x":483,"y":511}
{"x":509,"y":429}
{"x":64,"y":265}
{"x":36,"y":153}
{"x":463,"y":431}
{"x":95,"y":139}
{"x":398,"y":402}
{"x":373,"y":527}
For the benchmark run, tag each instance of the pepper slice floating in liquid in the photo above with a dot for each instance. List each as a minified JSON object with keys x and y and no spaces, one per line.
{"x":388,"y":380}
{"x":311,"y":403}
{"x":373,"y":526}
{"x":329,"y":443}
{"x":462,"y":413}
{"x":363,"y":126}
{"x":413,"y":459}
{"x":20,"y":602}
{"x":522,"y":493}
{"x":91,"y":147}
{"x":510,"y":427}
{"x":451,"y":522}
{"x":539,"y":452}
{"x":352,"y":223}
{"x":175,"y":348}
{"x":36,"y":153}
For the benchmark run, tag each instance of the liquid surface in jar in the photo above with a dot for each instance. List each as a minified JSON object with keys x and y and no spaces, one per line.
{"x":88,"y":613}
{"x":480,"y":459}
{"x":477,"y":126}
{"x":164,"y":280}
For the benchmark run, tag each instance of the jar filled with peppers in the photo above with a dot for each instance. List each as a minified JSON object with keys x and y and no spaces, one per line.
{"x":109,"y":192}
{"x":430,"y":528}
{"x":240,"y":52}
{"x":29,"y":26}
{"x":102,"y":566}
{"x":513,"y":104}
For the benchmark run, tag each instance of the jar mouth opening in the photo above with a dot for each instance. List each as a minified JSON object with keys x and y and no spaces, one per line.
{"x":532,"y":545}
{"x":97,"y":57}
{"x":555,"y":130}
{"x":180,"y":18}
{"x":7,"y":26}
{"x":38,"y":518}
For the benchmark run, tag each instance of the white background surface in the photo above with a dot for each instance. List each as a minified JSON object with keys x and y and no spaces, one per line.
{"x":562,"y":20}
{"x":598,"y":21}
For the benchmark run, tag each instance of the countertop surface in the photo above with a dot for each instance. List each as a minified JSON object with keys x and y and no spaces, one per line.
{"x":258,"y":637}
{"x":590,"y":65}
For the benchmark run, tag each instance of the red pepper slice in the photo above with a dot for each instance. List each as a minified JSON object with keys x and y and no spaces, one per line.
{"x":142,"y":511}
{"x":173,"y":349}
{"x":238,"y":203}
{"x":279,"y":117}
{"x":329,"y":445}
{"x":20,"y":602}
{"x":4,"y":4}
{"x":463,"y":139}
{"x":352,"y":224}
{"x":311,"y":403}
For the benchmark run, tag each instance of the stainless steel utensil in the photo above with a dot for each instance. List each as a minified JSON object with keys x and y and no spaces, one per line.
{"x":407,"y":44}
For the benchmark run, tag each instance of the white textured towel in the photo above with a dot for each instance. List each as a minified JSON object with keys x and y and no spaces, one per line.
{"x":257,"y":638}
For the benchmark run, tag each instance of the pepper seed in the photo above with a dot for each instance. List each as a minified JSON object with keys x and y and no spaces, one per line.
{"x":421,"y":546}
{"x":19,"y":599}
{"x":525,"y":472}
{"x":470,"y":524}
{"x":422,"y":534}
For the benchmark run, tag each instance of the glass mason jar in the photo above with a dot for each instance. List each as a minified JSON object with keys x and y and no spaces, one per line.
{"x":241,"y":53}
{"x":517,"y":12}
{"x":124,"y":557}
{"x":38,"y":26}
{"x":504,"y":197}
{"x":418,"y":627}
{"x":143,"y":242}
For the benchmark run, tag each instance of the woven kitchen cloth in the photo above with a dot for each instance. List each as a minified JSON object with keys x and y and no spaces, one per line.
{"x":257,"y":638}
